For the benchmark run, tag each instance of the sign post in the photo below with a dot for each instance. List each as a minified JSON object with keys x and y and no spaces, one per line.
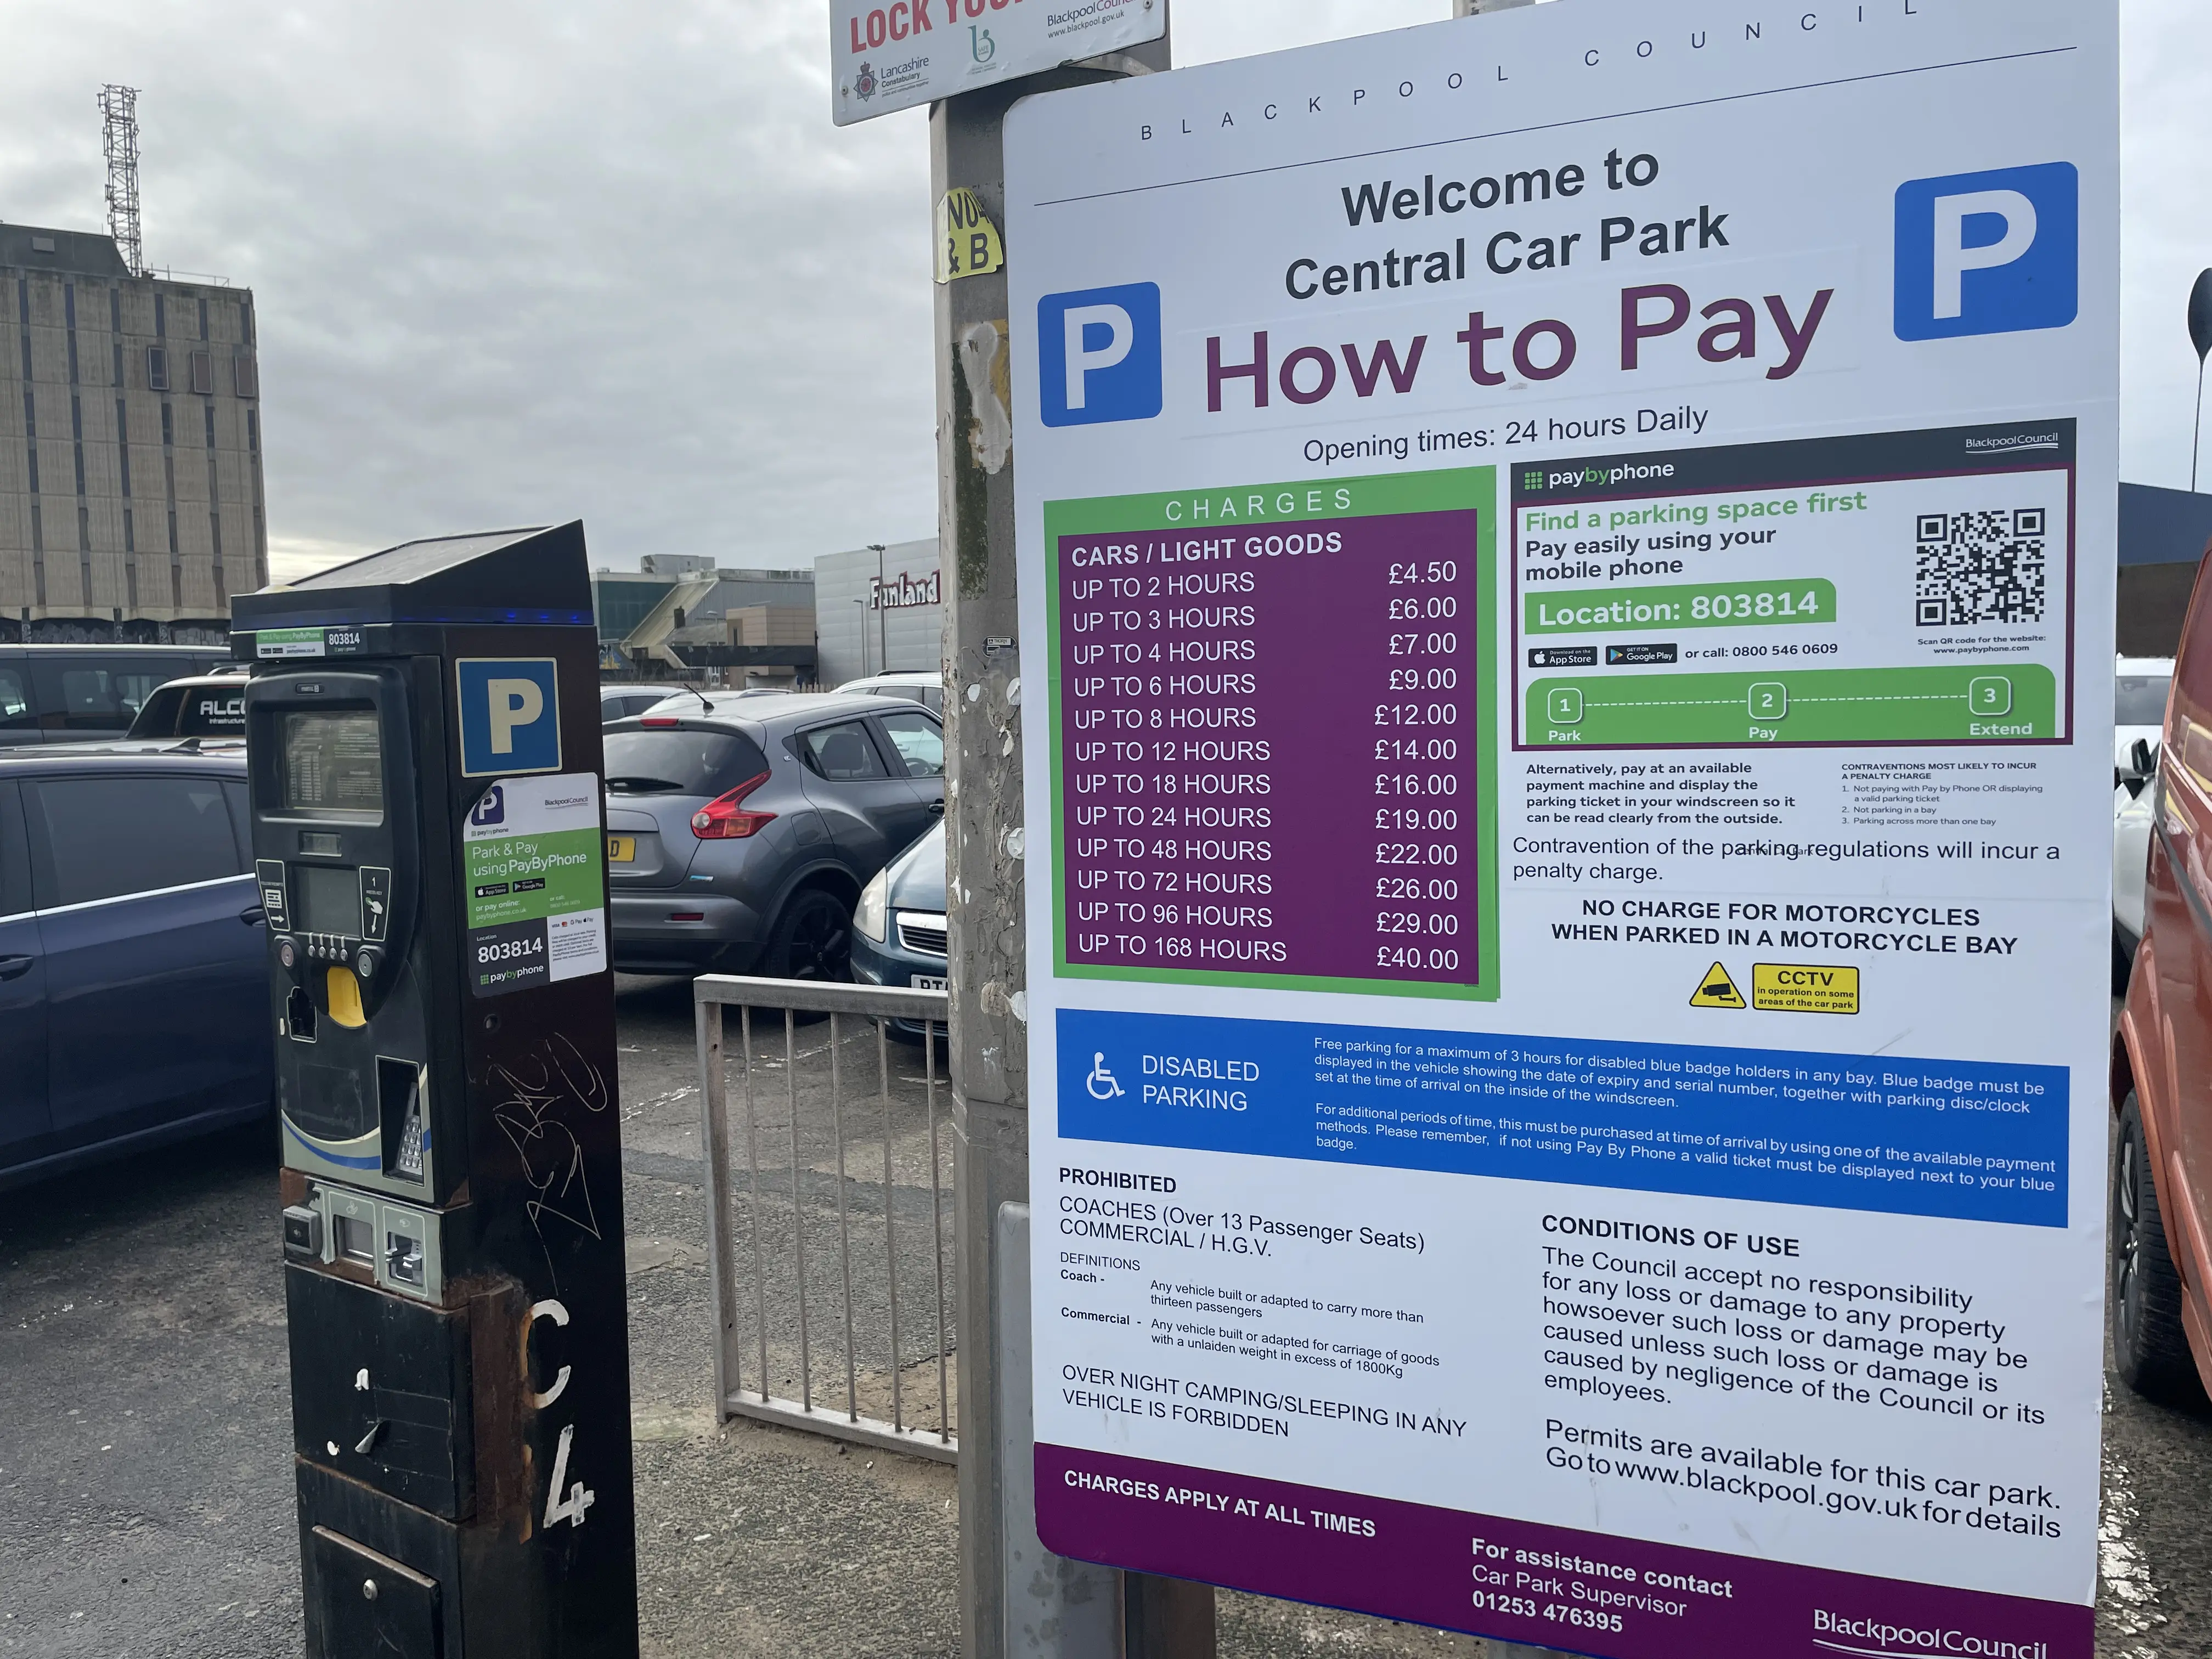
{"x":1568,"y":570}
{"x":1159,"y":1618}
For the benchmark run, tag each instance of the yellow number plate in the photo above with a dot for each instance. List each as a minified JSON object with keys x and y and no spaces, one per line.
{"x":622,"y":849}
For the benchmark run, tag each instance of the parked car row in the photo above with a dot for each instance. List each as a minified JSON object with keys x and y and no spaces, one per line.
{"x":73,"y":693}
{"x":742,"y":829}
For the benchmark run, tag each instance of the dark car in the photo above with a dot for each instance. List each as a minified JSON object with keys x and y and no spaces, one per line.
{"x":70,"y":693}
{"x":211,"y":706}
{"x":134,"y":975}
{"x":898,"y":926}
{"x":740,"y":832}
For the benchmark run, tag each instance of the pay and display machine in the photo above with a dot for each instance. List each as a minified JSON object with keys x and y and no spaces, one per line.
{"x":423,"y":730}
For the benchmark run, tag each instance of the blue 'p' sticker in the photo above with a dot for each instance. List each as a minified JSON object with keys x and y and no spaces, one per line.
{"x":1098,"y":355}
{"x":510,"y":710}
{"x":1991,"y":252}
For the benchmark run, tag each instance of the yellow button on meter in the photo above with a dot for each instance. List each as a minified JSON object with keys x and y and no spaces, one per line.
{"x":1781,"y":987}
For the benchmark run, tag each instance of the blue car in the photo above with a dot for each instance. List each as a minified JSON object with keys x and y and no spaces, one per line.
{"x":134,"y":974}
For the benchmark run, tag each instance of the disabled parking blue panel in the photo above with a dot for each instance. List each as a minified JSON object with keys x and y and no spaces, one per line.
{"x":1976,"y":1140}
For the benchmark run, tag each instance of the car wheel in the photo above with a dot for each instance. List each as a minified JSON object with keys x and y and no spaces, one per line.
{"x":2149,"y":1348}
{"x":813,"y":939}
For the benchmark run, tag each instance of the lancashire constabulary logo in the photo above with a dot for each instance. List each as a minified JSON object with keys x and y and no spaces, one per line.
{"x":864,"y":83}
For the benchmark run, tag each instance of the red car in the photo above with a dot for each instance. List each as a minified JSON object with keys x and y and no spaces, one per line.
{"x":2161,"y":1299}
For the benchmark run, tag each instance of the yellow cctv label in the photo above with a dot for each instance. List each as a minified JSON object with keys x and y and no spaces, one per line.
{"x":1789,"y":988}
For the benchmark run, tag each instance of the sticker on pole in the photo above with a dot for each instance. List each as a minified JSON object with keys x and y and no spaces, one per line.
{"x":968,"y":243}
{"x":532,"y":857}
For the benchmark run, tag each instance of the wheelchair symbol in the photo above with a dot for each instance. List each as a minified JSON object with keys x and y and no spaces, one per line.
{"x":1100,"y":1081}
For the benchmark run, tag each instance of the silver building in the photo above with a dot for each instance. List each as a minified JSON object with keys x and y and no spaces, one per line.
{"x":131,"y":490}
{"x":880,"y":610}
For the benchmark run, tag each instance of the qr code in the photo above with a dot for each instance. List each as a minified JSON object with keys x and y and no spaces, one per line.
{"x":1979,"y":566}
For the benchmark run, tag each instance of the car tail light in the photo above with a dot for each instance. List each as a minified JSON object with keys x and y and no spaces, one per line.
{"x":656,"y":719}
{"x":724,"y":817}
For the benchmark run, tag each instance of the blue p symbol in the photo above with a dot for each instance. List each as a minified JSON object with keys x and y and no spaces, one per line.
{"x":1990,"y":252}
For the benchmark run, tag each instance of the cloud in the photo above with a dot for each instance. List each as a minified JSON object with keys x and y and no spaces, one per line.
{"x":517,"y":263}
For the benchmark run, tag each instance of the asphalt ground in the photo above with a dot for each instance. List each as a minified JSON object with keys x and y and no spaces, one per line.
{"x":145,"y":1490}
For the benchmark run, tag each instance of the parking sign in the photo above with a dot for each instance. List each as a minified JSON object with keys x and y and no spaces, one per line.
{"x":510,"y":711}
{"x":1567,"y":857}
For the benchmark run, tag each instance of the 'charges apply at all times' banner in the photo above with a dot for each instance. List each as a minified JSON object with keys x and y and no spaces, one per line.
{"x":1572,"y":560}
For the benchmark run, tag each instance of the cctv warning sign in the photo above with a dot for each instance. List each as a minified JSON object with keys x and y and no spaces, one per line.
{"x":1786,"y":989}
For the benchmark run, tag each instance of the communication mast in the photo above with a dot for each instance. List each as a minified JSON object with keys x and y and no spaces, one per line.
{"x":120,"y":106}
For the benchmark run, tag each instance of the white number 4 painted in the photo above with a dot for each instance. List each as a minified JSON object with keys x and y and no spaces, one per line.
{"x":581,"y":1497}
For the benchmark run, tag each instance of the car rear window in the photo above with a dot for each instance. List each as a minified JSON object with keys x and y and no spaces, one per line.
{"x":2140,"y":699}
{"x":681,"y":761}
{"x":95,"y":694}
{"x":105,"y":837}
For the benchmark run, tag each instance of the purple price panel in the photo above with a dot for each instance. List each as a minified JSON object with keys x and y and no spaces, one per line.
{"x":1270,"y":749}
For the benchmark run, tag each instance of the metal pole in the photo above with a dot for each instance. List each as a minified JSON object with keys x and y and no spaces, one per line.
{"x":882,"y":619}
{"x":987,"y":1050}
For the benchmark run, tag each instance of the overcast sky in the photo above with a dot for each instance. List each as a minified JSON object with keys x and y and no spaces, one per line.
{"x":520,"y":262}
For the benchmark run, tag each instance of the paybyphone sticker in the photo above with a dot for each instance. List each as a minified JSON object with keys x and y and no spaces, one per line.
{"x":536,"y":887}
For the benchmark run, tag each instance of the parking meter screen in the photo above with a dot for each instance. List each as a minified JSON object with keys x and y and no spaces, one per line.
{"x":332,"y":764}
{"x":329,"y":898}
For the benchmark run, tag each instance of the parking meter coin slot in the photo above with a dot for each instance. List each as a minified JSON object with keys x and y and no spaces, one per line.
{"x":364,"y":1605}
{"x":381,"y":1390}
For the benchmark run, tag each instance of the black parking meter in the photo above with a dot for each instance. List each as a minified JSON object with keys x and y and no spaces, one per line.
{"x":422,"y":732}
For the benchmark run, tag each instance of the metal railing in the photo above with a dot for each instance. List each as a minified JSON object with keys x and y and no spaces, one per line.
{"x":875,"y":1006}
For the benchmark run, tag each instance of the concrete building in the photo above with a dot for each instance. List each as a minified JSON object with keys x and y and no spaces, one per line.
{"x":714,"y":626}
{"x":879,"y":610}
{"x":130,"y":487}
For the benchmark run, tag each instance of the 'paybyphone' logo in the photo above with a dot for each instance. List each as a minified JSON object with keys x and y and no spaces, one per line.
{"x":510,"y":710}
{"x":491,"y":810}
{"x":1098,"y":355}
{"x":1992,"y":252}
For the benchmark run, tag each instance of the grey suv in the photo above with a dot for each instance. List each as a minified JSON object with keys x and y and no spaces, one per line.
{"x":741,"y":830}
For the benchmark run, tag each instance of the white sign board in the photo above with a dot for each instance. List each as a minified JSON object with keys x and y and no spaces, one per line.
{"x":888,"y":55}
{"x":1569,"y":560}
